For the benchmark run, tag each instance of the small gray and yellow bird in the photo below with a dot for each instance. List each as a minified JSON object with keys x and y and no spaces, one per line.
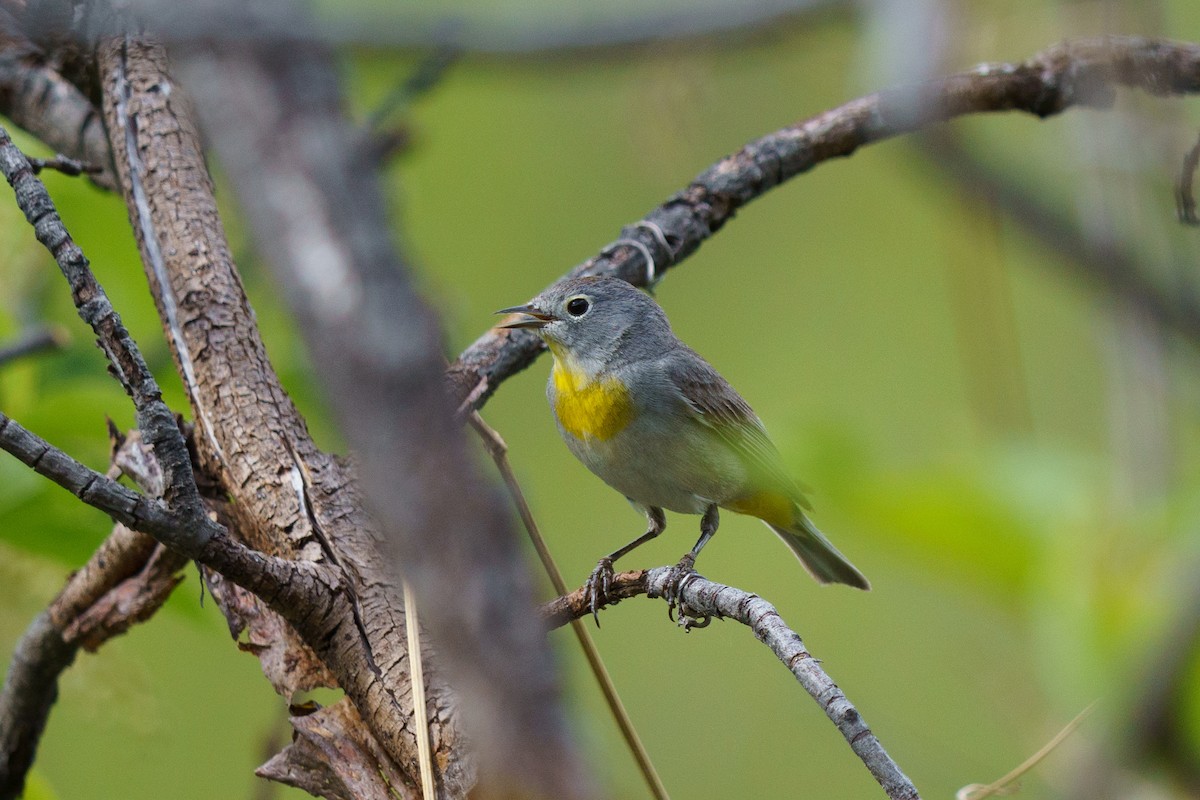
{"x":657,"y":423}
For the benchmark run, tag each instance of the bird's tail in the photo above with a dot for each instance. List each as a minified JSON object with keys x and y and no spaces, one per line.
{"x":818,"y":555}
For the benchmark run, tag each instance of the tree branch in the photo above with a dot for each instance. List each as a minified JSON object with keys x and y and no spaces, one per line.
{"x":40,"y":100}
{"x":33,"y":342}
{"x":29,"y":691}
{"x":1110,"y":265}
{"x":1081,"y":73}
{"x":704,"y":598}
{"x":188,"y":23}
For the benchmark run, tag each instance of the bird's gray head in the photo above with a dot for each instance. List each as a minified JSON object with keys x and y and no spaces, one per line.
{"x":593,"y":318}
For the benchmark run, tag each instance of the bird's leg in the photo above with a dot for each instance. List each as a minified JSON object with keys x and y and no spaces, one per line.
{"x":687,"y":567}
{"x":597,"y":585}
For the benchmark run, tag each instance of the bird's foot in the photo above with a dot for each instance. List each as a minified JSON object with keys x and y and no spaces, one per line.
{"x":595,"y":589}
{"x":673,"y":594}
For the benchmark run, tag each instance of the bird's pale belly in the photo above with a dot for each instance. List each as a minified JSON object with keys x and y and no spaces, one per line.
{"x":684,"y":472}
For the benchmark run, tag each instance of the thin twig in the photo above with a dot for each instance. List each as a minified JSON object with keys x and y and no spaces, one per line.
{"x":498,"y":449}
{"x":705,"y":598}
{"x":33,"y":342}
{"x":1185,"y":198}
{"x":65,"y":165}
{"x":1006,"y":785}
{"x":417,"y":674}
{"x":428,"y":73}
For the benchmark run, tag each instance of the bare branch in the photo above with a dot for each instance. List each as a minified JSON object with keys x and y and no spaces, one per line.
{"x":1107,"y":265}
{"x":155,"y":420}
{"x":705,"y":598}
{"x":124,"y":505}
{"x":282,"y":583}
{"x":40,"y":100}
{"x":65,"y":165}
{"x":200,"y":22}
{"x":30,"y":689}
{"x":32,"y":343}
{"x":1080,"y":73}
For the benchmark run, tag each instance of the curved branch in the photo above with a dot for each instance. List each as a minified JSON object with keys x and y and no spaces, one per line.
{"x":1080,"y":73}
{"x":704,"y":598}
{"x":29,"y":691}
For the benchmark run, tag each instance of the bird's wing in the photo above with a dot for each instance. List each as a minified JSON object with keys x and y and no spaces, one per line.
{"x":721,"y":408}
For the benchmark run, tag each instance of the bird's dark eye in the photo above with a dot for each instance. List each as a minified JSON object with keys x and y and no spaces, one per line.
{"x":577,"y":306}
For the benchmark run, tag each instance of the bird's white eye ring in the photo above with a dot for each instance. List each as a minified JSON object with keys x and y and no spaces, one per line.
{"x":578,"y":306}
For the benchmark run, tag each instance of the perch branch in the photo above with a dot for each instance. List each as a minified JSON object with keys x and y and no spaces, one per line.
{"x":703,"y":597}
{"x":1076,"y":73}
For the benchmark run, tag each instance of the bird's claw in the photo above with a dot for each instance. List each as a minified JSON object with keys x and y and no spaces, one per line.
{"x":673,"y":594}
{"x":597,"y":586}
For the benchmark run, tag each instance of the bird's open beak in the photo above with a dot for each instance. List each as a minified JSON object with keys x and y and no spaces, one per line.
{"x":530,"y":317}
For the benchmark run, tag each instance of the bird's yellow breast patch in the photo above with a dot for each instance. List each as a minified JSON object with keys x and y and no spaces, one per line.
{"x":774,"y":508}
{"x":590,"y":408}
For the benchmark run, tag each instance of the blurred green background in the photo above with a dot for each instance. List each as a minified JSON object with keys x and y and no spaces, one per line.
{"x":1006,"y":451}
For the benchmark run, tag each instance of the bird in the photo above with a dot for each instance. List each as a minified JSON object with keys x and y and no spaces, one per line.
{"x":655,"y":421}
